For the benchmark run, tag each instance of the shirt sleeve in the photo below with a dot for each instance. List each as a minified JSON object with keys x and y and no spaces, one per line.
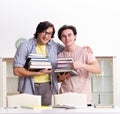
{"x":60,"y":47}
{"x":20,"y":56}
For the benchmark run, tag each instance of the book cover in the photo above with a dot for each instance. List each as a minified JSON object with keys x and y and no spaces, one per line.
{"x":37,"y":107}
{"x":64,"y":106}
{"x":64,"y":62}
{"x":71,"y":71}
{"x":32,"y":55}
{"x":39,"y":59}
{"x":64,"y":59}
{"x":64,"y":65}
{"x":39,"y":63}
{"x":40,"y":67}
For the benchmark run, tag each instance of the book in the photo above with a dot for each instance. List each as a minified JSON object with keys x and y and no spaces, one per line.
{"x":36,"y":62}
{"x":39,"y":59}
{"x":64,"y":65}
{"x":64,"y":106}
{"x":40,"y":67}
{"x":71,"y":71}
{"x":32,"y":55}
{"x":39,"y":63}
{"x":38,"y":107}
{"x":64,"y":59}
{"x":64,"y":62}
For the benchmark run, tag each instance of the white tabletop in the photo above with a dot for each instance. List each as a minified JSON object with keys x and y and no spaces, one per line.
{"x":87,"y":110}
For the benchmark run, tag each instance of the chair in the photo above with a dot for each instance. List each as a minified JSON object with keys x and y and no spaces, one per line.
{"x":19,"y":100}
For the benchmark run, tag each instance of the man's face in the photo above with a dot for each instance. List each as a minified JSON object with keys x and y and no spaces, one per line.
{"x":68,"y":37}
{"x":45,"y":36}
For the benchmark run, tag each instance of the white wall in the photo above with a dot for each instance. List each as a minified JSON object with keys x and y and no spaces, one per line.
{"x":97,"y":22}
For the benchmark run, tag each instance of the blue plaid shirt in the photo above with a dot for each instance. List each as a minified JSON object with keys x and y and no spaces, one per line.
{"x":26,"y":84}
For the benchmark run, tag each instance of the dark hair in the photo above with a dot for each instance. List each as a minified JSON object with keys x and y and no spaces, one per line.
{"x":43,"y":26}
{"x":64,"y":27}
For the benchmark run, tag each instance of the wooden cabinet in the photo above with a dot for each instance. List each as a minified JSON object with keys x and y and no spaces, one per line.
{"x":8,"y":82}
{"x":103,"y":84}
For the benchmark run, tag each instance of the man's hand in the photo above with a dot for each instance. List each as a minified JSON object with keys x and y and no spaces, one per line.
{"x":45,"y":71}
{"x":88,"y":49}
{"x":62,"y":77}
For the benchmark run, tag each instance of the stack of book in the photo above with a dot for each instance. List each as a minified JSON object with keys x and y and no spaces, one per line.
{"x":37,"y":62}
{"x":64,"y":65}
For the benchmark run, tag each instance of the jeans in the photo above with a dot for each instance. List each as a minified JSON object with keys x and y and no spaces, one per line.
{"x":44,"y":89}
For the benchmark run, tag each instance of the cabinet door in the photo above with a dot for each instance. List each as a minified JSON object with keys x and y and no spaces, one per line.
{"x":8,"y":82}
{"x":12,"y":81}
{"x":102,"y":84}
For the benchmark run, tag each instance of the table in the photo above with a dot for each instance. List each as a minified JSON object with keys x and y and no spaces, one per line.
{"x":86,"y":110}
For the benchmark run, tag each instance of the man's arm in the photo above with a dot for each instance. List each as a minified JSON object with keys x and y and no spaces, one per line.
{"x":93,"y":67}
{"x":20,"y":71}
{"x":88,"y":49}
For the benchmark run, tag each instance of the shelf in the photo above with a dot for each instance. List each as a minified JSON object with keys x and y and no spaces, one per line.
{"x":12,"y":92}
{"x":9,"y":82}
{"x":103,"y":98}
{"x":102,"y":84}
{"x":101,"y":92}
{"x":7,"y":60}
{"x":101,"y":76}
{"x":14,"y":77}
